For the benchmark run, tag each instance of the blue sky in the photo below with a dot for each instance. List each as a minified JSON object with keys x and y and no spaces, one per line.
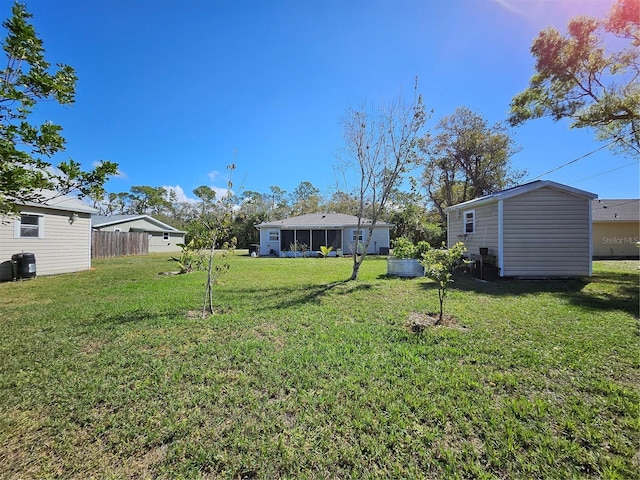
{"x":173,"y":90}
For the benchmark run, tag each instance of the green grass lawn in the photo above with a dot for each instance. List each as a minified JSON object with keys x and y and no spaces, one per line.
{"x":103,"y":374}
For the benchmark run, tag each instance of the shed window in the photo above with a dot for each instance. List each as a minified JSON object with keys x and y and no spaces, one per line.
{"x":30,"y":226}
{"x":470,"y":221}
{"x":274,"y":236}
{"x":165,"y":236}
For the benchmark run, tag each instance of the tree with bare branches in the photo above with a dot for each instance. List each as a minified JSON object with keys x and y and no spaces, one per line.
{"x":380,"y":147}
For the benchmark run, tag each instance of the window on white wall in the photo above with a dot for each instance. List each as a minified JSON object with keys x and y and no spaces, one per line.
{"x":165,"y":236}
{"x":30,"y":226}
{"x":470,"y":221}
{"x":274,"y":236}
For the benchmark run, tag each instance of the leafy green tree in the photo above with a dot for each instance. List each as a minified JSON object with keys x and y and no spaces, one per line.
{"x":342,"y":202}
{"x":150,"y":200}
{"x":415,"y":222}
{"x":438,"y":266}
{"x":253,"y":209}
{"x":27,"y":80}
{"x":466,"y":158}
{"x":305,"y":199}
{"x":206,"y":195}
{"x":381,"y":149}
{"x":578,"y":79}
{"x":278,"y":205}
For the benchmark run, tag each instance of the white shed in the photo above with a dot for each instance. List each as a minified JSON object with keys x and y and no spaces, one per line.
{"x":56,"y":230}
{"x":539,"y":229}
{"x":314,"y":230}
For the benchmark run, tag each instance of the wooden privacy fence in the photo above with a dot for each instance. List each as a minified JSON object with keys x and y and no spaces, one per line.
{"x":117,"y":244}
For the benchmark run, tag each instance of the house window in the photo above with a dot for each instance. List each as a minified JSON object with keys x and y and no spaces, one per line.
{"x":165,"y":236}
{"x":29,"y":226}
{"x":357,"y":236}
{"x":470,"y":221}
{"x":117,"y":229}
{"x":274,"y":236}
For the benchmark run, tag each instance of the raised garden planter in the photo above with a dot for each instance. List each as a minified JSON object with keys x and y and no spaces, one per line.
{"x":404,"y":267}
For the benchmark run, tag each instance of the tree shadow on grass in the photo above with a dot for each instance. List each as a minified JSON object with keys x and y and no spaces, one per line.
{"x":138,"y":315}
{"x":619,"y":291}
{"x":283,"y":298}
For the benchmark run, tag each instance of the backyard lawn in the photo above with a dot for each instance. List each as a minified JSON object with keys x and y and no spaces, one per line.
{"x":109,"y":374}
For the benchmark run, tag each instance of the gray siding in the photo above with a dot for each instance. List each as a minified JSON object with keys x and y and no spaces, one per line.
{"x":64,"y":247}
{"x":157,"y":244}
{"x":486,"y":229}
{"x":546,"y":233}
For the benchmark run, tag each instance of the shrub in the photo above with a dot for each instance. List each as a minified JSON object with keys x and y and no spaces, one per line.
{"x":404,"y":248}
{"x":438,"y":265}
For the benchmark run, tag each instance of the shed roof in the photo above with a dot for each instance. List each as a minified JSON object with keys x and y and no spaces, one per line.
{"x":320,"y":220}
{"x":615,"y":210}
{"x":104,"y":221}
{"x":521,"y":189}
{"x":53,"y":200}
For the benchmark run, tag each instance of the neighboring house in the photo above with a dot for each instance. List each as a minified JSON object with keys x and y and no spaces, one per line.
{"x":539,"y":229}
{"x":57,"y":231}
{"x":335,"y":230}
{"x":162,"y":237}
{"x":616,"y":228}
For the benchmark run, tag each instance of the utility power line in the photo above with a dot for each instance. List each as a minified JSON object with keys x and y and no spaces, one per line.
{"x":573,"y":161}
{"x":608,"y":171}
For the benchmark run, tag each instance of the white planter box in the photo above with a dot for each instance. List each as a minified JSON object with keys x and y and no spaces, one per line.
{"x":404,"y":267}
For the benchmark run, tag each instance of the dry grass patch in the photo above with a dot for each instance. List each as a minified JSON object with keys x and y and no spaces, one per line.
{"x":418,"y":322}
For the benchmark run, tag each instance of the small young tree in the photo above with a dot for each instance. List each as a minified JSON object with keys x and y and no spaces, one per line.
{"x":438,"y":266}
{"x":210,"y":227}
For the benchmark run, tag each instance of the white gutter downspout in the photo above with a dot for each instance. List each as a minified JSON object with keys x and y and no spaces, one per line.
{"x":590,"y":240}
{"x":500,"y":238}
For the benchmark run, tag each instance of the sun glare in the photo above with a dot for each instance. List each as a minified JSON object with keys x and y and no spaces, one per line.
{"x":556,"y":12}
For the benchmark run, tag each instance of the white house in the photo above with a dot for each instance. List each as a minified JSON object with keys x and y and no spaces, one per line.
{"x":162,"y":237}
{"x":539,"y":229}
{"x":56,"y":230}
{"x":314,"y":230}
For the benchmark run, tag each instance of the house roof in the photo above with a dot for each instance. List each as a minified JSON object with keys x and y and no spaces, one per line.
{"x":53,"y":200}
{"x":319,"y":220}
{"x":615,"y":210}
{"x":519,"y":190}
{"x":98,"y":221}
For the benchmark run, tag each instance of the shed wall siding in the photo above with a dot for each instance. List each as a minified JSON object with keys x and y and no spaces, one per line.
{"x":546,"y":233}
{"x":486,"y":229}
{"x":64,"y":248}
